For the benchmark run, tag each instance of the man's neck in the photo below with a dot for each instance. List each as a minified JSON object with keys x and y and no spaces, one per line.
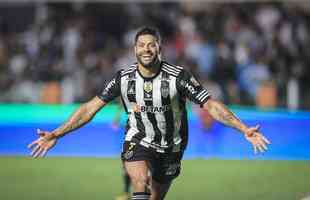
{"x":149,"y":72}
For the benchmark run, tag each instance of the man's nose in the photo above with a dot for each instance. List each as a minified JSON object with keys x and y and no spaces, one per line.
{"x":147,"y":48}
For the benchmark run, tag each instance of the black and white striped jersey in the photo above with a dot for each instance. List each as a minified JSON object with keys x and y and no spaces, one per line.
{"x":156,"y":106}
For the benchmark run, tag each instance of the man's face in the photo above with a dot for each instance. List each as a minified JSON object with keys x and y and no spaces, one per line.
{"x":147,"y":50}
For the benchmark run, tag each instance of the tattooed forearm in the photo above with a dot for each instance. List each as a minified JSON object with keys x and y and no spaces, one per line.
{"x":80,"y":117}
{"x":221,"y":113}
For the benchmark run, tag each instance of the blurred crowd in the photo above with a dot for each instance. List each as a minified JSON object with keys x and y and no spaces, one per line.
{"x":244,"y":53}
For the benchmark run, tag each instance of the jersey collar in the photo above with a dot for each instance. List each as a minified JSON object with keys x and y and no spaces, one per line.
{"x":152,"y":77}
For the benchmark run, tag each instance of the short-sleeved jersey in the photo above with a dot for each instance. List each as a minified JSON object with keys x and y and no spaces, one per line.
{"x":156,"y":106}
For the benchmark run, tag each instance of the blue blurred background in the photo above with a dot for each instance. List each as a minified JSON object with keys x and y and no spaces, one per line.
{"x":288,"y":132}
{"x":252,"y":56}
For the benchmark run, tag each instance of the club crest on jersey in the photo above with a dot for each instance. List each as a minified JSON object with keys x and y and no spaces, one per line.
{"x":148,"y":87}
{"x":164,"y":89}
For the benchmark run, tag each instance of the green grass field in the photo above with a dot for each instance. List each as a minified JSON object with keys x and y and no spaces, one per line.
{"x":54,"y":178}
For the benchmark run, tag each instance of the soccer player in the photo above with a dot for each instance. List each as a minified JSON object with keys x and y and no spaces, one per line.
{"x":154,"y":94}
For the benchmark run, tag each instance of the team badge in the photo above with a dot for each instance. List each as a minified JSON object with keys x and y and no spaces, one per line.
{"x":173,"y":169}
{"x":129,"y":153}
{"x":148,"y":87}
{"x":164,"y":89}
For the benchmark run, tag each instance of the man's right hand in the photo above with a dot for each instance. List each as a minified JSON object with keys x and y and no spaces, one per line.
{"x":41,"y":145}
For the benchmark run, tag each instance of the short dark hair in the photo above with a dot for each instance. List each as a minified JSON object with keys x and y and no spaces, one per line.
{"x":148,"y":31}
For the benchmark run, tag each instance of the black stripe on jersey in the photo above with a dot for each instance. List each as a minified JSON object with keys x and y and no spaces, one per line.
{"x":203,"y":95}
{"x":128,"y":71}
{"x":151,"y":116}
{"x":165,"y":69}
{"x":131,"y":95}
{"x":124,"y":74}
{"x":184,"y":125}
{"x":131,"y":91}
{"x":131,"y":87}
{"x":123,"y":102}
{"x":165,"y":99}
{"x":173,"y":68}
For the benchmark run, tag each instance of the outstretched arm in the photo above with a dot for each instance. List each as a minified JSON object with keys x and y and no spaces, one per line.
{"x":221,"y":113}
{"x":80,"y":117}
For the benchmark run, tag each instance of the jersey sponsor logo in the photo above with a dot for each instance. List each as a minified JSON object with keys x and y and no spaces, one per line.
{"x":109,"y":86}
{"x":151,"y":109}
{"x":190,"y":88}
{"x":154,"y":109}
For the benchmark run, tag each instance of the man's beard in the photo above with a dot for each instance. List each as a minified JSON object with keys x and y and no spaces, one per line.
{"x":149,"y":64}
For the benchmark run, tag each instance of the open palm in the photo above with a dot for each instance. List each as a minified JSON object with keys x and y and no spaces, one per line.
{"x":257,"y":139}
{"x":42,"y":144}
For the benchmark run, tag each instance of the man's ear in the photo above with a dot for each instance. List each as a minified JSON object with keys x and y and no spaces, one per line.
{"x":159,"y":48}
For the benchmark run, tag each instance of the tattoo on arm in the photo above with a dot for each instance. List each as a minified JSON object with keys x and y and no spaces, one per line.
{"x":221,"y":113}
{"x":80,"y":117}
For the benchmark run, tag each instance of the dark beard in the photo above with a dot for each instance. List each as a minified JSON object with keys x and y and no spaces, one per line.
{"x":154,"y":62}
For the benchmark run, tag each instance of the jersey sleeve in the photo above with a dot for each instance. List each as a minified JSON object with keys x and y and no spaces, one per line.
{"x":112,"y":88}
{"x":189,"y":87}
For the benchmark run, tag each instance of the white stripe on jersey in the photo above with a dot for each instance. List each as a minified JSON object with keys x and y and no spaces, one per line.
{"x":149,"y":129}
{"x":169,"y":71}
{"x":174,"y":68}
{"x":129,"y":70}
{"x":204,"y":97}
{"x":202,"y":94}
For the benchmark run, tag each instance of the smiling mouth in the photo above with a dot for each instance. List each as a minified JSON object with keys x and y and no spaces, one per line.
{"x":148,"y":57}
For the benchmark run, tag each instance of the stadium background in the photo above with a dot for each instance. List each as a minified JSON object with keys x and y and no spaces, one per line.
{"x":252,"y":56}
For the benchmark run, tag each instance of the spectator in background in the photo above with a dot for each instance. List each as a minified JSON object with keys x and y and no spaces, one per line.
{"x":282,"y":29}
